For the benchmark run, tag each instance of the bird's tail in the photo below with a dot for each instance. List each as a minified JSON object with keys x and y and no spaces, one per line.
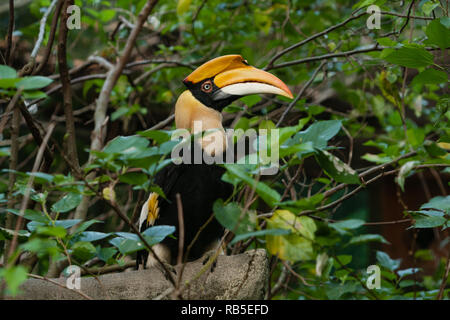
{"x":149,"y":214}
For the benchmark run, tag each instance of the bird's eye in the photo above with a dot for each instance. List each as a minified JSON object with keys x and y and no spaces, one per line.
{"x":207,"y":86}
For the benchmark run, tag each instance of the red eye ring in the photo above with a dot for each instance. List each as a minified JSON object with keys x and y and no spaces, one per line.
{"x":207,"y":86}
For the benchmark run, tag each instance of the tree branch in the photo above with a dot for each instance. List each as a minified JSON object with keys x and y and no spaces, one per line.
{"x":98,"y":134}
{"x":51,"y":38}
{"x":10,"y":32}
{"x":311,"y":38}
{"x":66,"y":88}
{"x":306,"y":86}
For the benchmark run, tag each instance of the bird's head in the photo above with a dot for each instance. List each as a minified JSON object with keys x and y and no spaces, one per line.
{"x":222,"y":80}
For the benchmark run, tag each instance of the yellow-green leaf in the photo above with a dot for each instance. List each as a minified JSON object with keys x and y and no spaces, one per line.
{"x":183,"y":6}
{"x":295,"y":246}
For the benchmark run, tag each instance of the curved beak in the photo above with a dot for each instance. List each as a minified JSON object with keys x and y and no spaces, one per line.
{"x":249,"y":80}
{"x":234,"y":77}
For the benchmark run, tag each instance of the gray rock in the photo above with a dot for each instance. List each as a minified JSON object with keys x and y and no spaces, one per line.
{"x":240,"y":277}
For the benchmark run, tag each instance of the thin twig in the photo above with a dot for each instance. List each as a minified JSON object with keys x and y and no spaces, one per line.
{"x":9,"y":108}
{"x":51,"y":38}
{"x":180,"y":229}
{"x":26,"y":196}
{"x":10,"y":32}
{"x":311,"y":38}
{"x":360,"y":187}
{"x":341,"y":186}
{"x":444,"y":280}
{"x":100,"y":117}
{"x":300,"y":94}
{"x":66,"y":88}
{"x":59,"y":285}
{"x":42,"y":29}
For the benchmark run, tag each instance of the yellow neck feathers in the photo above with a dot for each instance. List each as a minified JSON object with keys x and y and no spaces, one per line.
{"x":194,"y":116}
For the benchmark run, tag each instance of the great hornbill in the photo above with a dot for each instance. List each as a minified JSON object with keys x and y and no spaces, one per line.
{"x":211,"y":87}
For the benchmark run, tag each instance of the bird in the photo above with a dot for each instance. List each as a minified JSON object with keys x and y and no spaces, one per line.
{"x":210,"y":88}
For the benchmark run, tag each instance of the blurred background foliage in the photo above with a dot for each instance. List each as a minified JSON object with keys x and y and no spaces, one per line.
{"x":387,"y":103}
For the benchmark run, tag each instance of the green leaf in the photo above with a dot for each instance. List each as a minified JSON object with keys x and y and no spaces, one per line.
{"x":364,"y":238}
{"x":376,"y":158}
{"x":118,"y":113}
{"x":129,"y":242}
{"x":14,"y":276}
{"x":335,"y":291}
{"x":429,"y":6}
{"x":309,"y":203}
{"x":52,"y":231}
{"x":251,"y":100}
{"x":105,"y":254}
{"x":343,"y":226}
{"x":85,"y":225}
{"x":319,"y":133}
{"x":134,"y":178}
{"x":387,"y":262}
{"x":365,"y":3}
{"x":7,"y":72}
{"x":438,"y":34}
{"x":5,"y":152}
{"x":269,"y":195}
{"x":33,"y":83}
{"x":156,"y":234}
{"x":83,"y":251}
{"x":336,"y":169}
{"x":159,"y":136}
{"x":128,"y":235}
{"x":31,"y":95}
{"x":428,"y":219}
{"x":433,"y":149}
{"x":90,"y":236}
{"x":229,"y":217}
{"x":42,"y":247}
{"x":344,"y":259}
{"x":69,"y":223}
{"x":8,"y":234}
{"x":107,"y":14}
{"x":410,"y":57}
{"x":408,"y":272}
{"x":430,"y":76}
{"x":301,"y":148}
{"x":259,"y":233}
{"x":439,"y":203}
{"x":386,"y":41}
{"x":41,"y":177}
{"x":126,"y":145}
{"x":286,"y":132}
{"x":405,"y":170}
{"x":183,"y":6}
{"x":445,"y":21}
{"x":295,"y":246}
{"x":31,"y":215}
{"x":126,"y":246}
{"x":67,"y":203}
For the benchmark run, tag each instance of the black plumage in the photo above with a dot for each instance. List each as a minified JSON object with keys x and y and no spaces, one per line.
{"x":199,"y":186}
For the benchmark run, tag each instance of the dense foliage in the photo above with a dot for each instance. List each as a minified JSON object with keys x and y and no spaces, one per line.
{"x":370,"y":105}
